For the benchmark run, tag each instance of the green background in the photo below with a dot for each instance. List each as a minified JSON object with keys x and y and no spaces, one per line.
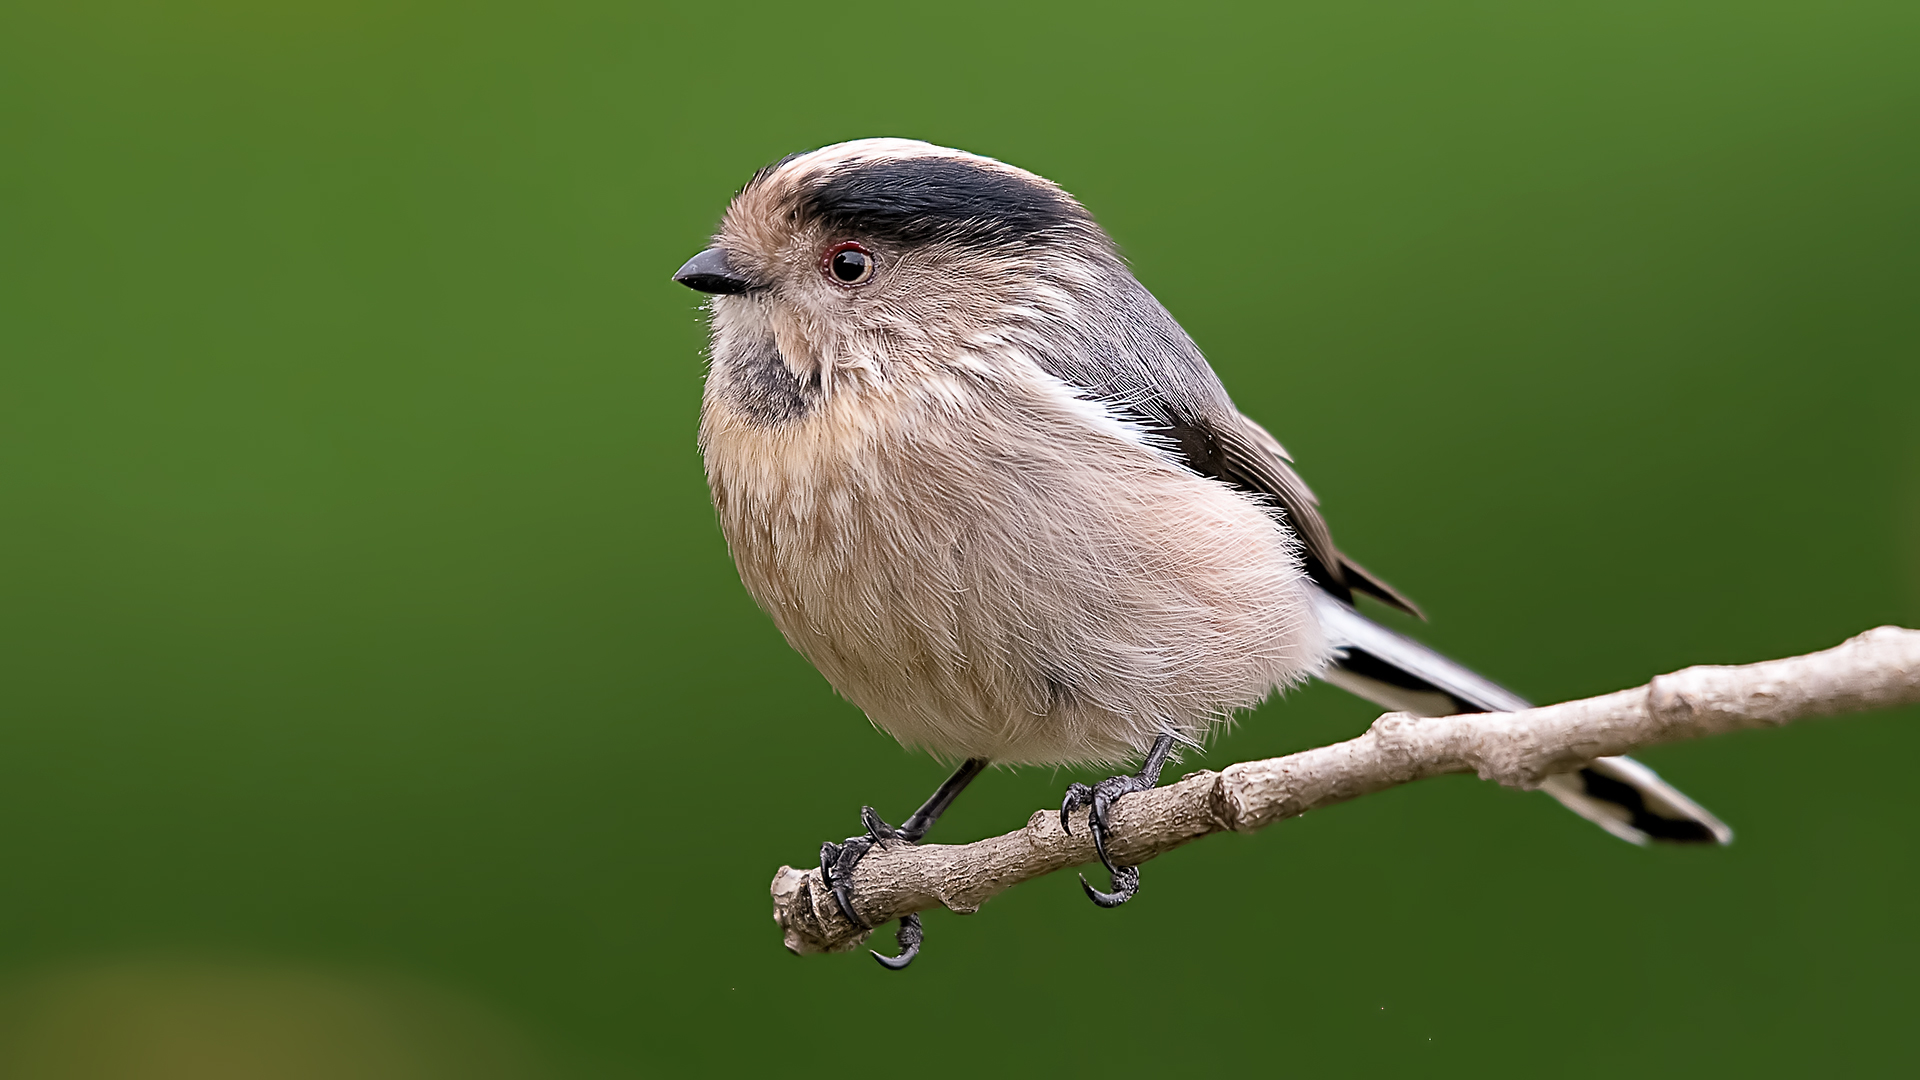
{"x":366,"y":637}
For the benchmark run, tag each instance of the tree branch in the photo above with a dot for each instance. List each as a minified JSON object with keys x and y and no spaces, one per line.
{"x":1877,"y":669}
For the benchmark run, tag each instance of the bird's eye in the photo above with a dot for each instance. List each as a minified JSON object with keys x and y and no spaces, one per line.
{"x":848,"y":264}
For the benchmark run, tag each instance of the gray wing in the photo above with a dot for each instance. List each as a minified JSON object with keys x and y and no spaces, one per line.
{"x":1140,"y":362}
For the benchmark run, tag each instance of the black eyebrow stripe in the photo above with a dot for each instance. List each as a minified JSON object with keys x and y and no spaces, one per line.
{"x":918,"y":200}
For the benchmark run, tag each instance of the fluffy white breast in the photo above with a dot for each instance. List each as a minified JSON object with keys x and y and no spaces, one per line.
{"x":991,"y":566}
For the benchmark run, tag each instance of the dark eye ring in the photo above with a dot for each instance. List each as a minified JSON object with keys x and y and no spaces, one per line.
{"x":848,"y":263}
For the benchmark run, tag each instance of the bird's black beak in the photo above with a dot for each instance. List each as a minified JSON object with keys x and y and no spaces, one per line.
{"x":709,"y":272}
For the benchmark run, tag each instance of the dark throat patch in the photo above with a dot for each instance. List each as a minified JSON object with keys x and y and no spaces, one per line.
{"x":762,"y":388}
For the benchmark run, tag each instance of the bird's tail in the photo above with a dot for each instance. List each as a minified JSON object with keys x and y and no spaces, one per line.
{"x":1396,"y":672}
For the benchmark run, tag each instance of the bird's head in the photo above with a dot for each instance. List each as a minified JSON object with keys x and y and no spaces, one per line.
{"x":878,"y":252}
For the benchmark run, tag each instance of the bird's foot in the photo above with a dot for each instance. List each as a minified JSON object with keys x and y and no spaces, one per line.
{"x":1098,"y":800}
{"x":837,"y":863}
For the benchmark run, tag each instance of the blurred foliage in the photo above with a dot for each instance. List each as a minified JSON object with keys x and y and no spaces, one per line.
{"x":167,"y":1019}
{"x":362,"y":607}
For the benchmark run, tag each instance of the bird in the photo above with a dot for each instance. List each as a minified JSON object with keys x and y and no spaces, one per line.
{"x":983,"y":480}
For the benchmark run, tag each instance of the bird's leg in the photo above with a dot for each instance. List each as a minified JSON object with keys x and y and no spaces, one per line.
{"x":1098,"y":799}
{"x":838,"y":860}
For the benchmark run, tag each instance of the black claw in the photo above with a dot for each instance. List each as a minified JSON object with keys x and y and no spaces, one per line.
{"x":876,"y":828}
{"x":1100,"y":799}
{"x":1126,"y":879}
{"x":1078,"y":795}
{"x":845,"y":900}
{"x":1126,"y":882}
{"x":836,"y":872}
{"x":909,"y":935}
{"x":1100,"y":845}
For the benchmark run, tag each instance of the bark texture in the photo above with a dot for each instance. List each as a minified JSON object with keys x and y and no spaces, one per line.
{"x":1878,"y":669}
